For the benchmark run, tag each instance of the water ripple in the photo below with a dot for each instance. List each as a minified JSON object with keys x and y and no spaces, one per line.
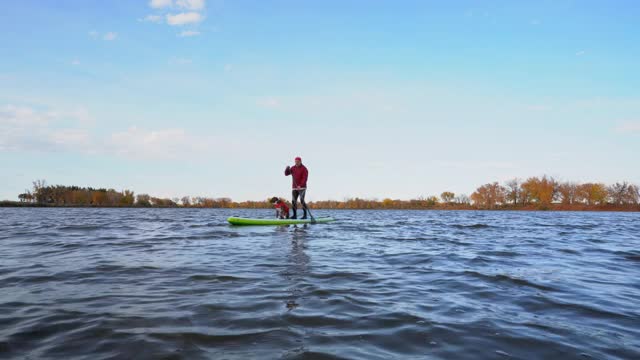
{"x":181,"y":284}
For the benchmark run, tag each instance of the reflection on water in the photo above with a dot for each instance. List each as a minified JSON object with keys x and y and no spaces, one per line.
{"x":298,"y":264}
{"x":182,"y":284}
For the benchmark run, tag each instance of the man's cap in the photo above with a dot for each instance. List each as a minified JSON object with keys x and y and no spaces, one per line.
{"x":298,"y":158}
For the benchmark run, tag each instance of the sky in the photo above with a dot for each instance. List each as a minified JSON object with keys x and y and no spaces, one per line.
{"x":381,"y":99}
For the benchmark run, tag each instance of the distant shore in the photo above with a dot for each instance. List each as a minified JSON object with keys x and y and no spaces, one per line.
{"x":534,"y":194}
{"x":530,"y":207}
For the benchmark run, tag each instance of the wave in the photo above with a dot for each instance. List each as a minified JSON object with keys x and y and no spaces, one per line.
{"x":471,"y":226}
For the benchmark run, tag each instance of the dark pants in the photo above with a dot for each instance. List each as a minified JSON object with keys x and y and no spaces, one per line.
{"x":294,"y":202}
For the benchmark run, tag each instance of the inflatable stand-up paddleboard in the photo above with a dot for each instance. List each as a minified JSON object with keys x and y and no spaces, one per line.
{"x":246,"y":221}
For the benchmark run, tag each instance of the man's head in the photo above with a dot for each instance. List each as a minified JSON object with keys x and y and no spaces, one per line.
{"x":298,"y":161}
{"x":274,"y":200}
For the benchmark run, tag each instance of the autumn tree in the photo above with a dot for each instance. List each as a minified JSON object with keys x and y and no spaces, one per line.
{"x":447,"y":196}
{"x":592,"y":193}
{"x":113,"y":197}
{"x":540,"y":190}
{"x":432,"y":201}
{"x":98,"y":197}
{"x":128,"y":198}
{"x":489,"y":195}
{"x":568,"y":192}
{"x":387,"y":203}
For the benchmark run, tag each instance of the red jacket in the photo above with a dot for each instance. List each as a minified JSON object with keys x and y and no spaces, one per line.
{"x":299,"y":175}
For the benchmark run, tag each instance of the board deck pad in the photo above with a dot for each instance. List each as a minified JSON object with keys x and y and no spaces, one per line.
{"x":246,"y":221}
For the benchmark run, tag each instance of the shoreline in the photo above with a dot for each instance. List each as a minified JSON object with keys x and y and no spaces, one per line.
{"x":451,"y":207}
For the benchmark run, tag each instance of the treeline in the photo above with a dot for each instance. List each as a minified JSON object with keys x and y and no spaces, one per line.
{"x":546,"y":192}
{"x":61,"y":195}
{"x":534,"y":193}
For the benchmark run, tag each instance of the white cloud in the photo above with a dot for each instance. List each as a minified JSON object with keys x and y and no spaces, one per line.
{"x":75,"y":62}
{"x":93,"y":34}
{"x":184,"y":18}
{"x":177,"y":13}
{"x":159,"y":4}
{"x":580,"y":53}
{"x":70,"y":138}
{"x":152,"y":18}
{"x":21,"y":115}
{"x":189,"y":33}
{"x":535,"y":22}
{"x":629,"y":127}
{"x":40,"y":129}
{"x":24,"y":128}
{"x":191,"y":4}
{"x":110,"y":36}
{"x":158,"y":144}
{"x":228,"y":67}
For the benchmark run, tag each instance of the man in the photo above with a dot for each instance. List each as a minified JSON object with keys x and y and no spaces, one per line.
{"x":299,"y":174}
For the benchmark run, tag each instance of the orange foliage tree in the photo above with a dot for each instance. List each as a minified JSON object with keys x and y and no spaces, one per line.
{"x":568,"y":192}
{"x":488,"y":196}
{"x":540,"y":190}
{"x":593,"y":193}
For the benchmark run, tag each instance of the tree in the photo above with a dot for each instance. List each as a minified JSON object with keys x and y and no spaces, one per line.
{"x":40,"y":191}
{"x":143,"y":200}
{"x":447,"y":196}
{"x":617,"y":192}
{"x":98,"y":197}
{"x":568,"y":192}
{"x":128,"y":198}
{"x":387,"y":203}
{"x":488,"y":196}
{"x":432,"y":201}
{"x":462,"y":199}
{"x":113,"y":197}
{"x":186,"y":201}
{"x":623,"y":193}
{"x":513,"y":190}
{"x":540,"y":190}
{"x":592,"y":193}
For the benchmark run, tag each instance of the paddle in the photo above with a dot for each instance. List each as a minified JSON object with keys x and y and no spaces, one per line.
{"x":313,"y":220}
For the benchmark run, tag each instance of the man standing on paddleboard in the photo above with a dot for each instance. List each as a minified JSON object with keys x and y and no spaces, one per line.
{"x":299,"y":174}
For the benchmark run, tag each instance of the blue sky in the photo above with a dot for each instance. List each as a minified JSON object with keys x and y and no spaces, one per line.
{"x":381,"y":98}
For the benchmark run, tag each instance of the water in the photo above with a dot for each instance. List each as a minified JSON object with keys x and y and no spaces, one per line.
{"x":181,"y":284}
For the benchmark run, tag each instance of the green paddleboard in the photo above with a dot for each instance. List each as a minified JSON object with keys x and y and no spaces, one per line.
{"x":246,"y":221}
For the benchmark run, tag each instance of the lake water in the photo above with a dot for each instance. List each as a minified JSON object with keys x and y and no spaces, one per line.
{"x":182,"y":284}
